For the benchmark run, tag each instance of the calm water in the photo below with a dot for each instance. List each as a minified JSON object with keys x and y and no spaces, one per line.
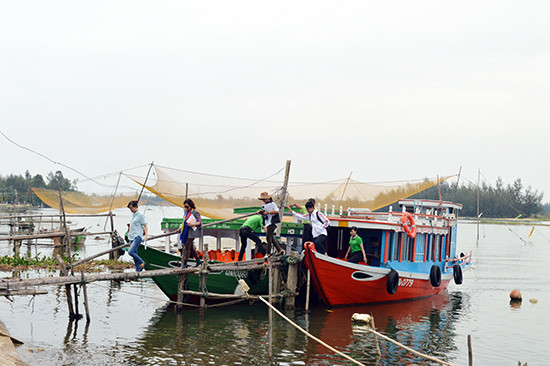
{"x":132,"y":324}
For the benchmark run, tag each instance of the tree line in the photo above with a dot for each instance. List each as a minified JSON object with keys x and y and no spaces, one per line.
{"x":498,"y":200}
{"x":16,"y":189}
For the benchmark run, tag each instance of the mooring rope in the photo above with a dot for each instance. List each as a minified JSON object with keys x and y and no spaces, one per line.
{"x":310,"y":335}
{"x":175,"y":302}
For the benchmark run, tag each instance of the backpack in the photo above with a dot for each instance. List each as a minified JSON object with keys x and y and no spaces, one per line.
{"x":320,"y":220}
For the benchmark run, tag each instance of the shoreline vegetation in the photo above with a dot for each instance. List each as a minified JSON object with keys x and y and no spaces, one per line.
{"x":10,"y":263}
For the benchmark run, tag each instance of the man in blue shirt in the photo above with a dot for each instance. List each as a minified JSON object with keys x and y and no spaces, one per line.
{"x":136,"y":234}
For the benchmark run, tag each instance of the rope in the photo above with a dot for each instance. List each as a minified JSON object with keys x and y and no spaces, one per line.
{"x":410,"y":349}
{"x":515,"y":234}
{"x":310,"y":335}
{"x":174,"y":302}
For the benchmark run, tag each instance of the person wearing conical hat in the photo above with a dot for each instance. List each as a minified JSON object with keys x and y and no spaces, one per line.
{"x":271,"y":212}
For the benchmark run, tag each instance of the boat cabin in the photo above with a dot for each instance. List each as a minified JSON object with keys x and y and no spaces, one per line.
{"x":423,"y":232}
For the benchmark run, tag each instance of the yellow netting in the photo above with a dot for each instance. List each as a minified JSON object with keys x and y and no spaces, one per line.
{"x":215,"y":195}
{"x":78,"y":202}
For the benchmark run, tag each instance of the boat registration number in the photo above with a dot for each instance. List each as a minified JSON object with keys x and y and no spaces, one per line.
{"x":406,"y":282}
{"x":237,"y":274}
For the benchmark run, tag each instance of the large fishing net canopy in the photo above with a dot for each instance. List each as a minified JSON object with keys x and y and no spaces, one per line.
{"x":81,"y":203}
{"x":216,"y":195}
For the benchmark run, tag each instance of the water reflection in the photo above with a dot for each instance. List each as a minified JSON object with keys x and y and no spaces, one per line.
{"x":241,"y":334}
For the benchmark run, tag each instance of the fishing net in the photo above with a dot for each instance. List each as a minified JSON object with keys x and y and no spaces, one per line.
{"x":216,"y":195}
{"x":81,"y":203}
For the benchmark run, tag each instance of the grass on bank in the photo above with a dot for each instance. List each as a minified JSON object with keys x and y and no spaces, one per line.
{"x":23,"y":263}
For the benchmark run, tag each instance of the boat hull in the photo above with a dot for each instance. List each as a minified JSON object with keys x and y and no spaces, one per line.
{"x":222,"y":282}
{"x":339,"y":282}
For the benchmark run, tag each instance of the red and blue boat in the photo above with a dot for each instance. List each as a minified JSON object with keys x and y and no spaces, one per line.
{"x":411,"y":254}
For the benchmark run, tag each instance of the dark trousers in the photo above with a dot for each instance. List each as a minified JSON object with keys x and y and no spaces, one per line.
{"x":356,"y":257}
{"x":189,"y":250}
{"x":307,"y":235}
{"x":320,"y":243}
{"x":270,"y":237}
{"x":247,"y":233}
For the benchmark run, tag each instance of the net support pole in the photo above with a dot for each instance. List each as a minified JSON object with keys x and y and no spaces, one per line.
{"x":145,"y":182}
{"x":283,"y":198}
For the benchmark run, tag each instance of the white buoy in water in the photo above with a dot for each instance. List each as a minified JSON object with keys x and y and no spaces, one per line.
{"x":361,"y":318}
{"x":533,"y":300}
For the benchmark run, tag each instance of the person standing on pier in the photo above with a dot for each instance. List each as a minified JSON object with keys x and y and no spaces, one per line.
{"x":319,"y":224}
{"x":247,"y":231}
{"x":307,"y":234}
{"x":271,"y":212}
{"x":137,"y":233}
{"x":190,"y":229}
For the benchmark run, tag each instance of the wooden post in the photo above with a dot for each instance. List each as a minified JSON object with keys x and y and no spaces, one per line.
{"x":77,"y":314}
{"x":470,"y":355}
{"x":203,"y":276}
{"x":307,"y":289}
{"x":67,"y":238}
{"x":85,"y":295}
{"x":270,"y":284}
{"x":182,"y":279}
{"x":112,"y":255}
{"x":64,"y":272}
{"x":16,"y":247}
{"x":292,"y":281}
{"x":276,"y":284}
{"x":282,"y":207}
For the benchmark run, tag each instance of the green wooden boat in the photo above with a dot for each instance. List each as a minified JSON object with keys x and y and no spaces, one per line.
{"x":222,"y":282}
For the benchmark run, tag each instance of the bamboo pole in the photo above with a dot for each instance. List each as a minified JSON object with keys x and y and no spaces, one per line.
{"x":24,"y":292}
{"x":85,"y":297}
{"x":270,"y":285}
{"x":204,"y":226}
{"x":283,"y":198}
{"x":51,"y":235}
{"x":67,"y":238}
{"x":99,"y":255}
{"x":307,"y":289}
{"x":113,"y":254}
{"x":470,"y":354}
{"x":64,"y":274}
{"x":67,"y":280}
{"x":145,"y":182}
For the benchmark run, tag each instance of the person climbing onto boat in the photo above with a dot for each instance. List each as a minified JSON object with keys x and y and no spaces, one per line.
{"x":247,"y":231}
{"x":307,"y":234}
{"x":190,"y":229}
{"x":356,"y":247}
{"x":271,"y":213}
{"x":137,"y":233}
{"x":319,"y":224}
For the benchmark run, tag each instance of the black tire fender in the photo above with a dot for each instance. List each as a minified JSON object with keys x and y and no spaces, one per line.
{"x":392,"y":282}
{"x":435,"y":276}
{"x":457,"y":274}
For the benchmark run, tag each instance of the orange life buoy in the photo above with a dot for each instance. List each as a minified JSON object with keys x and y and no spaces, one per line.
{"x":408,"y":225}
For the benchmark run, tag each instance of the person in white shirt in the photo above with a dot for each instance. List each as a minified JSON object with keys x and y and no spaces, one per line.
{"x":319,"y":224}
{"x":271,"y":212}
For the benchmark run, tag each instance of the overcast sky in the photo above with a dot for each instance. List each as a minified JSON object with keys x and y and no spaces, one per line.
{"x":390,"y":90}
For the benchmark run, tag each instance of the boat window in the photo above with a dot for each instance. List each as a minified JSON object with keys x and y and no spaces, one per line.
{"x":419,"y":255}
{"x":429,"y":242}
